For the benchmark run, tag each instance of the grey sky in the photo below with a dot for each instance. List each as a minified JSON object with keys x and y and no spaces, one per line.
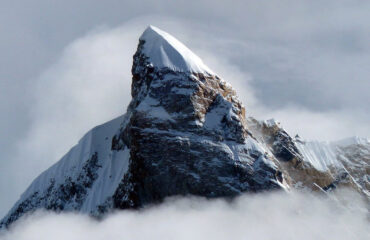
{"x":65,"y":67}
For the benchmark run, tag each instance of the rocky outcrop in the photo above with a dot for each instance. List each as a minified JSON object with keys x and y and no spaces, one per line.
{"x":187,"y":135}
{"x":184,"y":133}
{"x":355,"y":158}
{"x":313,"y":165}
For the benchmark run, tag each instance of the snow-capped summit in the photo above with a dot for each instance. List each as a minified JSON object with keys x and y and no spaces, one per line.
{"x":184,"y":133}
{"x":163,"y":50}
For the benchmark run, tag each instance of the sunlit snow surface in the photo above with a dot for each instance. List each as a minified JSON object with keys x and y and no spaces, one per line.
{"x":166,"y":51}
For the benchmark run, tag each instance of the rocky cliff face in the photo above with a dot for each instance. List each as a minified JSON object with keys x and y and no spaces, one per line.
{"x":185,"y":133}
{"x":317,"y":166}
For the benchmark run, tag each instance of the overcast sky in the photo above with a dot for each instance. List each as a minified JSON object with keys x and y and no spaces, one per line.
{"x":65,"y":67}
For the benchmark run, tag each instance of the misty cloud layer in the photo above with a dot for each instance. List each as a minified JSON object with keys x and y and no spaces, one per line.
{"x":65,"y":67}
{"x":265,"y":216}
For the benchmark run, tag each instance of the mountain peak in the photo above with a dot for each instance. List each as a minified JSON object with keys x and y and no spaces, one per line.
{"x":165,"y":51}
{"x":185,"y":133}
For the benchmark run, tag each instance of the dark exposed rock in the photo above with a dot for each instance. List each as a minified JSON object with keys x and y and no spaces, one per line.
{"x":196,"y":141}
{"x":300,"y":173}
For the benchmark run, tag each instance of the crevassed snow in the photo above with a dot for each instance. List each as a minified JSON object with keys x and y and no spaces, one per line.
{"x":165,"y":50}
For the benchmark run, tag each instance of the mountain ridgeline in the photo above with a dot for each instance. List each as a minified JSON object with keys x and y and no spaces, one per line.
{"x":185,"y":132}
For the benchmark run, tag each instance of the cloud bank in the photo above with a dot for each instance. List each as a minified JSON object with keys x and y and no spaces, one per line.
{"x":267,"y":216}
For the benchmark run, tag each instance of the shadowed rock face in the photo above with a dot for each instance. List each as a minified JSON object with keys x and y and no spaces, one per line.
{"x":187,"y":135}
{"x":297,"y":172}
{"x":356,"y":160}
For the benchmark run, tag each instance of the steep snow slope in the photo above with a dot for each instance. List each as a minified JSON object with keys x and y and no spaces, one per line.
{"x":165,"y":51}
{"x":325,"y":155}
{"x":320,"y":155}
{"x":83,"y":179}
{"x":351,"y":155}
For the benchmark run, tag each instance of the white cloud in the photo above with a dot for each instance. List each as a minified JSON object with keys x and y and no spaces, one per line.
{"x":264,"y":216}
{"x":88,"y":85}
{"x":319,"y":125}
